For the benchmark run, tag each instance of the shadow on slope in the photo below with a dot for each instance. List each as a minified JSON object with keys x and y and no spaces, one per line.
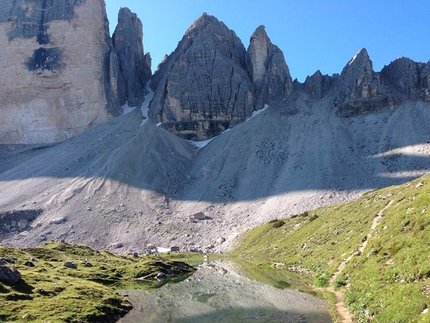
{"x":288,"y":148}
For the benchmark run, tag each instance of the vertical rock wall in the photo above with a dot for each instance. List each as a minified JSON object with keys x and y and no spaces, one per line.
{"x":270,"y":73}
{"x":135,"y":67}
{"x":203,"y":85}
{"x":57,"y":70}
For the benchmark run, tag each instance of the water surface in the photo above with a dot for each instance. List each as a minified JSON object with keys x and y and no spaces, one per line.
{"x":219,"y":292}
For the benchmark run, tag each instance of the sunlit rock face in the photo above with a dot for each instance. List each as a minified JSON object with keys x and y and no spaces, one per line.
{"x":270,"y":73}
{"x":203,"y":86}
{"x":58,"y":71}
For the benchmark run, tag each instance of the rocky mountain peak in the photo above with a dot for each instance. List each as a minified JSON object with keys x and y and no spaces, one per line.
{"x":135,"y":68}
{"x":258,"y":50}
{"x":361,"y":59}
{"x":201,"y":23}
{"x":359,"y":90}
{"x":270,"y":73}
{"x":359,"y":70}
{"x":410,"y":79}
{"x":318,"y":84}
{"x":203,"y":86}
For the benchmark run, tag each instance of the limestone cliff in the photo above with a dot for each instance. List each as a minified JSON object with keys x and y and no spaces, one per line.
{"x":269,"y":70}
{"x":360,"y":90}
{"x":318,"y":84}
{"x":58,"y":71}
{"x":203,"y":86}
{"x":409,"y":78}
{"x":135,"y":66}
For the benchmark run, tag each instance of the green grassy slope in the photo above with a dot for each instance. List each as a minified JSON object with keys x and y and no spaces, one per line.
{"x":50,"y":292}
{"x":378,"y":248}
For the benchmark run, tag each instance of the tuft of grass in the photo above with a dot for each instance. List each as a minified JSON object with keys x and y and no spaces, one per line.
{"x":389,"y":281}
{"x":50,"y":292}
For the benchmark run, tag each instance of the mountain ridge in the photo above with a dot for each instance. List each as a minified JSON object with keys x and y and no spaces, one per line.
{"x":129,"y":183}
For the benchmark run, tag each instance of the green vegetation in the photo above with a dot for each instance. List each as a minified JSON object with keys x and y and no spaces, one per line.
{"x":378,"y":246}
{"x":50,"y":292}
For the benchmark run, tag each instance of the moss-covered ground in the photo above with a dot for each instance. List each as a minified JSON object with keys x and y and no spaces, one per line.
{"x":377,"y":248}
{"x":50,"y":292}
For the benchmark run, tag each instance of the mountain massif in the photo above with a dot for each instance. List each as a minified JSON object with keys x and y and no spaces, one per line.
{"x":224,"y":139}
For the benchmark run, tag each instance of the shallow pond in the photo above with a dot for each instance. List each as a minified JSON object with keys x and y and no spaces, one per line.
{"x":220,"y":292}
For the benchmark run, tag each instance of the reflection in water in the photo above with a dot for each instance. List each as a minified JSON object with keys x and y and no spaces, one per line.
{"x":217,"y":292}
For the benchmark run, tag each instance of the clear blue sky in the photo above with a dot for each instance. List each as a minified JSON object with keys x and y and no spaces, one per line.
{"x":318,"y":34}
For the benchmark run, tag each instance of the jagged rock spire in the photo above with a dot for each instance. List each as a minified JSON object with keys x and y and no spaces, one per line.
{"x":318,"y":84}
{"x":135,"y":67}
{"x":409,"y":78}
{"x":360,"y":90}
{"x":203,"y":86}
{"x":268,"y":68}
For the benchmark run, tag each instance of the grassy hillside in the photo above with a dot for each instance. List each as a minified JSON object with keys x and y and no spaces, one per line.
{"x":50,"y":292}
{"x":377,"y":249}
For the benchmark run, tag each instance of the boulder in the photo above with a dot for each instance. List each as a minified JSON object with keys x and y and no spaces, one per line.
{"x":5,"y":260}
{"x":200,"y":216}
{"x":29,"y":264}
{"x":59,"y":220}
{"x":9,"y":275}
{"x":69,"y":264}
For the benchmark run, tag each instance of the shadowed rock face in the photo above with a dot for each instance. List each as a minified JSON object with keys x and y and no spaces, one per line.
{"x":135,"y":67}
{"x":318,"y":84}
{"x":210,"y":82}
{"x":203,"y":86}
{"x":269,"y":71}
{"x":360,"y":90}
{"x":409,"y":78}
{"x":59,"y":76}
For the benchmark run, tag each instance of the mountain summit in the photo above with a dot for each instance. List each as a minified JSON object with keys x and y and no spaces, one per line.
{"x":203,"y":86}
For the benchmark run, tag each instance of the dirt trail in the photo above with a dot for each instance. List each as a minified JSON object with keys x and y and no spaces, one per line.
{"x":344,"y":313}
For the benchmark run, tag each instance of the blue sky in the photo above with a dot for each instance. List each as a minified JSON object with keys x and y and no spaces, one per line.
{"x":313,"y":35}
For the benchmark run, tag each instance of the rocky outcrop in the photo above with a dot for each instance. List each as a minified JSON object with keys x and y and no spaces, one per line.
{"x":58,"y":71}
{"x":203,"y":86}
{"x":270,"y":73}
{"x":9,"y":275}
{"x":410,"y":79}
{"x":360,"y":90}
{"x":318,"y":84}
{"x":135,"y":67}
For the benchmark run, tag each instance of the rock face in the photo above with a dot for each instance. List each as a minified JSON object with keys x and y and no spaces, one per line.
{"x":203,"y":85}
{"x":270,"y":73}
{"x":360,"y":90}
{"x":318,"y":84}
{"x":410,"y":79}
{"x":58,"y":79}
{"x":135,"y":67}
